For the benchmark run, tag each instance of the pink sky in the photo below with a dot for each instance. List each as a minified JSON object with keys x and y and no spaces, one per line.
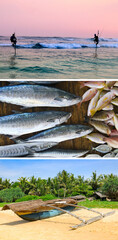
{"x":79,"y":18}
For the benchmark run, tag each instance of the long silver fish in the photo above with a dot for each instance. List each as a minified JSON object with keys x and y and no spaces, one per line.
{"x":62,"y":133}
{"x":60,"y":153}
{"x":37,"y":96}
{"x":24,"y":123}
{"x":43,"y":82}
{"x":23,"y":149}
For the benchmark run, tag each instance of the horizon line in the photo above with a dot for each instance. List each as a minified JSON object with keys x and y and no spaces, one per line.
{"x":54,"y":36}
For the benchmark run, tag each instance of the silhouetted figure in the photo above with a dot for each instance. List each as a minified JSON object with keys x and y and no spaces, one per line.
{"x":13,"y":40}
{"x":96,"y":39}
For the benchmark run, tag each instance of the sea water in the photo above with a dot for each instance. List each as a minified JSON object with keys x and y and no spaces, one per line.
{"x":57,"y":57}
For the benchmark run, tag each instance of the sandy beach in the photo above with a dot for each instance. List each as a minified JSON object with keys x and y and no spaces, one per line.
{"x":58,"y":228}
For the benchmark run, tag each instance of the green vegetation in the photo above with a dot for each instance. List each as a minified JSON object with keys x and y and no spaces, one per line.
{"x":27,"y":198}
{"x":98,"y":204}
{"x":63,"y":185}
{"x":34,"y":197}
{"x":47,"y":197}
{"x":10,"y":195}
{"x":87,"y":203}
{"x":3,"y":203}
{"x":110,"y":187}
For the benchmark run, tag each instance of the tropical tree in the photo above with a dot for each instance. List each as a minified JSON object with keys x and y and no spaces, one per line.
{"x":24,"y":184}
{"x":110,"y":187}
{"x":95,"y":181}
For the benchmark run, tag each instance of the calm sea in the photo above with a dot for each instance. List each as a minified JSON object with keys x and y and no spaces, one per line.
{"x":57,"y":57}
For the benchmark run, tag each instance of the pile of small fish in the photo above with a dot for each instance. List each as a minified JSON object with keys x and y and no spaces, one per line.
{"x":47,"y":123}
{"x":102,"y":97}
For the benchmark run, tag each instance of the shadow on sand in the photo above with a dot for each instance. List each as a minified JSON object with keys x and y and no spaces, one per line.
{"x":14,"y":223}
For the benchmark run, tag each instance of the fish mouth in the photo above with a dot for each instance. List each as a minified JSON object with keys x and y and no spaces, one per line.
{"x":49,"y":144}
{"x":65,"y":116}
{"x":77,"y":99}
{"x":68,"y":115}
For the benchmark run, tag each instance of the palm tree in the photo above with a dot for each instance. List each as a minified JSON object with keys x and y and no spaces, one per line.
{"x":24,"y":185}
{"x":95,"y":182}
{"x":6,"y":183}
{"x":1,"y":184}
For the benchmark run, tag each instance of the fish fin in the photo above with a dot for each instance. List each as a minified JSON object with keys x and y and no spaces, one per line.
{"x":30,"y":150}
{"x":16,"y":112}
{"x":50,"y":120}
{"x":18,"y":140}
{"x":82,"y":84}
{"x":34,"y":148}
{"x":58,"y":99}
{"x":77,"y":132}
{"x":12,"y":137}
{"x":84,"y":136}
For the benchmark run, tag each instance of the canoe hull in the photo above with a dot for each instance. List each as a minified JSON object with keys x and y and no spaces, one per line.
{"x":44,"y":214}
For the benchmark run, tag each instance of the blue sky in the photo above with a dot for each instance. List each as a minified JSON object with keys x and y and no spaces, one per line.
{"x":13,"y":169}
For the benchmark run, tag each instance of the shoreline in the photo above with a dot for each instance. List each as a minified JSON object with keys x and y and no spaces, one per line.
{"x":58,"y":228}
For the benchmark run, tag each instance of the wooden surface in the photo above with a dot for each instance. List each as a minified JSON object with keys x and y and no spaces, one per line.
{"x":78,"y":115}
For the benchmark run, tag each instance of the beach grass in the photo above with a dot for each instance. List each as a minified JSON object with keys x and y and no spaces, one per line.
{"x":90,"y":204}
{"x":3,"y":203}
{"x":98,"y":204}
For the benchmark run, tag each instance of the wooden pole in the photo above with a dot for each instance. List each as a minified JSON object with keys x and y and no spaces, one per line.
{"x":89,"y":209}
{"x":63,"y":210}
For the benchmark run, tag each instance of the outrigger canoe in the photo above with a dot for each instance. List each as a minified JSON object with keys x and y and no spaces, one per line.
{"x":38,"y":209}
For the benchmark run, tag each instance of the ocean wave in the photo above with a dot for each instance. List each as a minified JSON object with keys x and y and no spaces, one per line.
{"x":67,"y":45}
{"x":61,"y":45}
{"x":39,"y":70}
{"x":111,"y":45}
{"x":109,"y":39}
{"x":5,"y":45}
{"x":57,"y":45}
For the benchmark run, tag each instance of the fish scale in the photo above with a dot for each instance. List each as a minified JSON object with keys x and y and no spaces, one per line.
{"x":37,"y":96}
{"x":23,"y":149}
{"x":24,"y":123}
{"x":60,"y":153}
{"x":62,"y":133}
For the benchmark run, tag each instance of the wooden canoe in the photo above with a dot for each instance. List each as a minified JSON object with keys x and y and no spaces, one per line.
{"x":38,"y":209}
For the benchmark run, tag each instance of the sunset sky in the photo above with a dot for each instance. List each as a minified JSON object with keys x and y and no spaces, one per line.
{"x":79,"y":18}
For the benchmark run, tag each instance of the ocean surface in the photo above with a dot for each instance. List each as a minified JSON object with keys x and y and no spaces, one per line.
{"x":57,"y":57}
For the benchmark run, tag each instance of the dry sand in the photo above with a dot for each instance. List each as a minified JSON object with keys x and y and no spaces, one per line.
{"x":58,"y":228}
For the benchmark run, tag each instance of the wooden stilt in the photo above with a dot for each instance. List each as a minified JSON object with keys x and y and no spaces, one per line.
{"x":91,"y":220}
{"x":83,"y":221}
{"x":89,"y":209}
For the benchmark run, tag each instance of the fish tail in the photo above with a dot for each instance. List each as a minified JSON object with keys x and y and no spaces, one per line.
{"x":79,"y":104}
{"x":86,"y":119}
{"x":105,"y":139}
{"x":93,"y":111}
